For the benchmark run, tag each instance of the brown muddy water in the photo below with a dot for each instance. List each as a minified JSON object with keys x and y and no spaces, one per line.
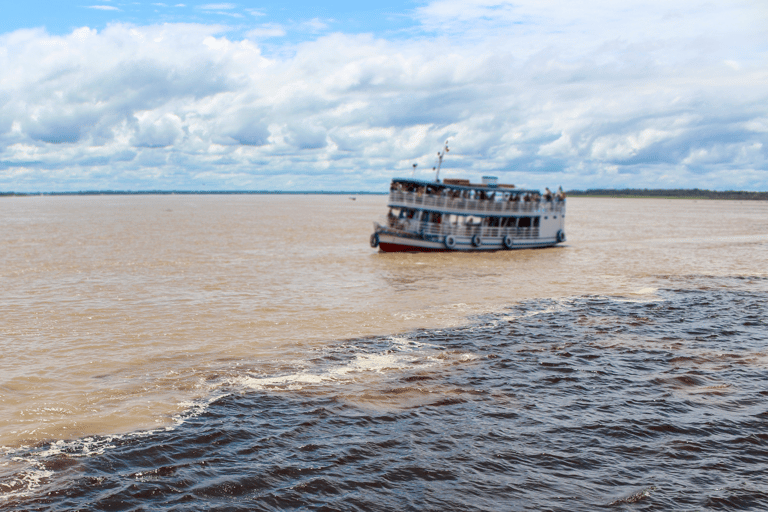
{"x":255,"y":353}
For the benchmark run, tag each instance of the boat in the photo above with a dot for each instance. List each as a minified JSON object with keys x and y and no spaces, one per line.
{"x":457,"y":215}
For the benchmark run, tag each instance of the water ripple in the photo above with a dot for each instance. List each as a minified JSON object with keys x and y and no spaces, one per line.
{"x":570,"y":404}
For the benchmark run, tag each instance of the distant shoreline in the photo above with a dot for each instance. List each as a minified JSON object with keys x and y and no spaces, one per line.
{"x":187,"y":192}
{"x":738,"y":195}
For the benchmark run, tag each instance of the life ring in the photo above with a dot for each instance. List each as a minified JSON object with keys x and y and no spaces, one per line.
{"x":560,"y":236}
{"x":477,"y":241}
{"x":508,"y":241}
{"x":450,"y":242}
{"x":375,"y":240}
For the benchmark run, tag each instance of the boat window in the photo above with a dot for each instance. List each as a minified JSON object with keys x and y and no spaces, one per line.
{"x":524,"y":222}
{"x":536,"y":222}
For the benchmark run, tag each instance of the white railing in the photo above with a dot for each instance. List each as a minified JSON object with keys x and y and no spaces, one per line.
{"x":398,"y":198}
{"x":437,"y":229}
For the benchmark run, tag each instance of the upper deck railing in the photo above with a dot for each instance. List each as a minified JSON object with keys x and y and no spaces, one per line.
{"x":464,"y":206}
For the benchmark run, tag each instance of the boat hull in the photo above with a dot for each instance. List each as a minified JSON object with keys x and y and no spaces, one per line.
{"x":388,"y":242}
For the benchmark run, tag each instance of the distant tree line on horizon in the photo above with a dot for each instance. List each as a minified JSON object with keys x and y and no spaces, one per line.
{"x":692,"y":193}
{"x":184,"y":192}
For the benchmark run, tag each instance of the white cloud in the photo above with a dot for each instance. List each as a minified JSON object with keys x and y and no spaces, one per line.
{"x":266,"y":31}
{"x":530,"y":91}
{"x":217,"y":7}
{"x":104,"y":7}
{"x":316,"y":24}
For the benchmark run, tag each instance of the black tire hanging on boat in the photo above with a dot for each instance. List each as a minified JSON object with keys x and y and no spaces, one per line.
{"x":375,"y":240}
{"x":450,"y":242}
{"x":477,"y":241}
{"x":560,"y":236}
{"x":508,"y":242}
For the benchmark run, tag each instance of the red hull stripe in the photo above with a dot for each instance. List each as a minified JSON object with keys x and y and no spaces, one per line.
{"x":388,"y":247}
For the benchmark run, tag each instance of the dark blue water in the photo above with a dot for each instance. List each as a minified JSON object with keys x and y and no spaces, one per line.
{"x":585,"y":403}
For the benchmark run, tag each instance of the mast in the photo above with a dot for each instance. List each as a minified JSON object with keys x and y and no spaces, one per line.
{"x":440,"y":156}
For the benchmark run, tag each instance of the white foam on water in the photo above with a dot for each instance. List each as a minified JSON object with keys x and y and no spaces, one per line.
{"x":32,"y":473}
{"x":403,"y":354}
{"x":26,"y":465}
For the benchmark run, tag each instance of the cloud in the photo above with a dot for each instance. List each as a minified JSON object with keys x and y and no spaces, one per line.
{"x":265,"y":32}
{"x":538,"y":93}
{"x":315,"y":24}
{"x":104,"y":7}
{"x":156,"y":131}
{"x":217,"y":7}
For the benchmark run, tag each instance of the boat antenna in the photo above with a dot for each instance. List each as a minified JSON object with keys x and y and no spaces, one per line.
{"x":414,"y":170}
{"x":440,"y":156}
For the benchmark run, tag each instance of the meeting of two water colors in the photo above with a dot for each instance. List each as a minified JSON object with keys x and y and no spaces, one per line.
{"x":188,"y":352}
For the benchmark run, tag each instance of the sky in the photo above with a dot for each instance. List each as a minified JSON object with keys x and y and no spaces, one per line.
{"x":134,"y":95}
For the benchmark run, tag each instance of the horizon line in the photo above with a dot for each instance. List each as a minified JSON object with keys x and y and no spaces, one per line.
{"x":187,"y":192}
{"x":575,"y":192}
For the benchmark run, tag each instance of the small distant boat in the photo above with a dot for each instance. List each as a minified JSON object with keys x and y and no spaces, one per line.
{"x":353,"y":198}
{"x":456,"y":215}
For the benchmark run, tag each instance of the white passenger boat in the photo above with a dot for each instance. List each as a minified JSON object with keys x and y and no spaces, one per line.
{"x":456,"y":215}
